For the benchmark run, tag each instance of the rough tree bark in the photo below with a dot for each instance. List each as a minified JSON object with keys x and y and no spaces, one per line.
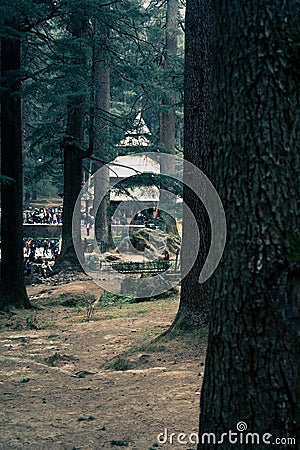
{"x":194,"y":299}
{"x":12,"y":289}
{"x":253,"y":352}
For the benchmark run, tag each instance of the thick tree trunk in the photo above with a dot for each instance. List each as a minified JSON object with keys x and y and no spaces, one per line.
{"x":194,"y":299}
{"x":253,"y":353}
{"x":12,"y":290}
{"x":101,"y":136}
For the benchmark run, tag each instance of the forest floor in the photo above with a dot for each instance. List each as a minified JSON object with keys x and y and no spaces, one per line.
{"x":69,"y":383}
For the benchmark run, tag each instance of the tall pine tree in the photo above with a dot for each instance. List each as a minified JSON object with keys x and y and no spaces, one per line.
{"x":12,"y":289}
{"x":252,"y":361}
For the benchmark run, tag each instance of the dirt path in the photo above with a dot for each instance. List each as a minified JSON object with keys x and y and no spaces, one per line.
{"x":103,"y":384}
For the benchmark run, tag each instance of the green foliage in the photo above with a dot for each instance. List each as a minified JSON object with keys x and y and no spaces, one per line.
{"x":52,"y":73}
{"x":150,"y":179}
{"x":108,"y":299}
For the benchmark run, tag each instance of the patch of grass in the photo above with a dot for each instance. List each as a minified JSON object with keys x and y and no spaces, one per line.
{"x":57,"y":358}
{"x":153,"y":347}
{"x":189,"y":336}
{"x":75,"y":301}
{"x":26,"y":321}
{"x":120,"y":364}
{"x":122,"y":361}
{"x":108,"y":299}
{"x":18,"y":326}
{"x":184,"y":329}
{"x":31,"y":323}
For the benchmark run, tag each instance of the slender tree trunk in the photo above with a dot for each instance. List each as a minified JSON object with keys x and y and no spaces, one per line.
{"x":12,"y":290}
{"x":168,"y":115}
{"x":167,"y":132}
{"x":252,"y":361}
{"x":194,"y":299}
{"x":26,"y":200}
{"x":101,"y":143}
{"x":73,"y":153}
{"x":72,"y":186}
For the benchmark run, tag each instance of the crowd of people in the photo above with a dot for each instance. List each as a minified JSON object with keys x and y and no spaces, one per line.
{"x":54,"y":216}
{"x":44,"y":246}
{"x":38,"y":251}
{"x":51,"y":216}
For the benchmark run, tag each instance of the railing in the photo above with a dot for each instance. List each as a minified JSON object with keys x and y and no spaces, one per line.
{"x":156,"y":266}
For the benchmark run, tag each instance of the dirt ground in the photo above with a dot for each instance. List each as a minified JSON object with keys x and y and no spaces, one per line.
{"x":69,"y":383}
